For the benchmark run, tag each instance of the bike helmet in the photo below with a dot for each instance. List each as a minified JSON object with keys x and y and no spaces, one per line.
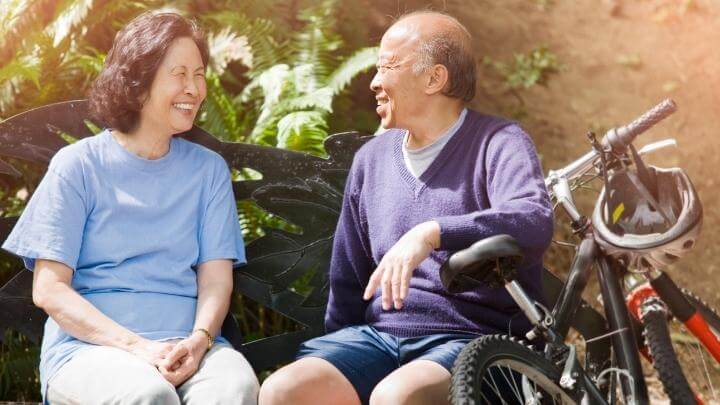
{"x":647,"y":224}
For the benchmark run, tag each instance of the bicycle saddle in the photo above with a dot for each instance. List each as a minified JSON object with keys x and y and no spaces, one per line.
{"x":490,"y":262}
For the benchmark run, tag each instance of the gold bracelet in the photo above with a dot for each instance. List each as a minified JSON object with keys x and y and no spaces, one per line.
{"x":210,"y":338}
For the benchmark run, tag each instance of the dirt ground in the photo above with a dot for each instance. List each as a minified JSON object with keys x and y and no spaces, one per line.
{"x":619,"y":58}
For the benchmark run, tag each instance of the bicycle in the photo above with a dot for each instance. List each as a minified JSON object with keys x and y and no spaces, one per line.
{"x":545,"y":369}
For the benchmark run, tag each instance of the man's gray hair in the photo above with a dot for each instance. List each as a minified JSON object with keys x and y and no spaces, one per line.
{"x":451,"y":48}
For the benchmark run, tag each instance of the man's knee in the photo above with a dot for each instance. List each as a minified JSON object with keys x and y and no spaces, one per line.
{"x":282,"y":387}
{"x":389,"y":392}
{"x":307,"y":381}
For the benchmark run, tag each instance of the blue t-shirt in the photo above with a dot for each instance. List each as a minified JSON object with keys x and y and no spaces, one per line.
{"x":134,"y":230}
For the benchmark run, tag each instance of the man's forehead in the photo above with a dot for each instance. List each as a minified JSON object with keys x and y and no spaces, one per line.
{"x":398,"y":41}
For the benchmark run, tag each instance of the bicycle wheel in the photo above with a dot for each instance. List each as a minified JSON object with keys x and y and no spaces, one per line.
{"x":683,"y":366}
{"x":498,"y":369}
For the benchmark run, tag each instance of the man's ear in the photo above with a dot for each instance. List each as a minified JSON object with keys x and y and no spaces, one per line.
{"x":437,"y":79}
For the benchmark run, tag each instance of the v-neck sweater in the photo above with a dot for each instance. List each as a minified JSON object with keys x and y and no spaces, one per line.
{"x":487,"y":180}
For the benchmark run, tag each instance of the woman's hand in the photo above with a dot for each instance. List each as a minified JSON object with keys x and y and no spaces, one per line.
{"x":184,"y":359}
{"x":151,"y":351}
{"x":395,"y":270}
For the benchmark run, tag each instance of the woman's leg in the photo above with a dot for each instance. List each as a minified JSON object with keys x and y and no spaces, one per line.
{"x":418,"y":382}
{"x":224,"y":377}
{"x":310,"y":380}
{"x":106,"y":375}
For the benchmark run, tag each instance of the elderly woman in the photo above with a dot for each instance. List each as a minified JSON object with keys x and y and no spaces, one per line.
{"x":132,"y":235}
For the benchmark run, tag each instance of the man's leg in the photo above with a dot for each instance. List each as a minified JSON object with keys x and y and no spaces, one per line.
{"x":310,"y":380}
{"x":106,"y":375}
{"x":224,"y":377}
{"x":418,"y":382}
{"x":424,"y":377}
{"x":342,"y":367}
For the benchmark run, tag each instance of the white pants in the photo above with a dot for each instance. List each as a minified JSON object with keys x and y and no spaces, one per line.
{"x":106,"y":375}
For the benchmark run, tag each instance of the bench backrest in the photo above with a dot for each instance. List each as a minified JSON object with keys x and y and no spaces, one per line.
{"x":304,"y":190}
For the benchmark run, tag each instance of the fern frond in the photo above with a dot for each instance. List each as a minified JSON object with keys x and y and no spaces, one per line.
{"x":72,"y":15}
{"x":320,"y":99}
{"x":219,"y":116}
{"x":26,"y":68}
{"x":10,"y":10}
{"x":316,"y":43}
{"x":303,"y":131}
{"x":271,"y":82}
{"x":226,"y":46}
{"x":359,"y":62}
{"x":265,"y":49}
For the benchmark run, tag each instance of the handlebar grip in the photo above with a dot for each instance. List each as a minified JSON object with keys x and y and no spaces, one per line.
{"x":620,"y":138}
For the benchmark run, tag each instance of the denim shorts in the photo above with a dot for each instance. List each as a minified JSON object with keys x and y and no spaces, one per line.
{"x":365,"y":355}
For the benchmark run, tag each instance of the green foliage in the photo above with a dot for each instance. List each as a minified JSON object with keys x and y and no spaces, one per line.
{"x":527,"y":70}
{"x":19,"y":375}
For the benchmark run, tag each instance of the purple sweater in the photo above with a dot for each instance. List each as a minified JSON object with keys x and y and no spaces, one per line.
{"x":486,"y":181}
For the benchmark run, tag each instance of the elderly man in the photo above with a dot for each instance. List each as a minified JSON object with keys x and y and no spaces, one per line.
{"x":440,"y":178}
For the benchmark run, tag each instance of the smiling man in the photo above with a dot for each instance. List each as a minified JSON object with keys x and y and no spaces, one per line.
{"x":440,"y":178}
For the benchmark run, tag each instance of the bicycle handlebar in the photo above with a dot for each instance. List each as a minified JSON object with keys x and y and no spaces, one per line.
{"x":618,"y":139}
{"x":621,"y":138}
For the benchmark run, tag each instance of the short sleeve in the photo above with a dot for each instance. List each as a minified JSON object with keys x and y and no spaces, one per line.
{"x":51,"y":226}
{"x":220,"y":234}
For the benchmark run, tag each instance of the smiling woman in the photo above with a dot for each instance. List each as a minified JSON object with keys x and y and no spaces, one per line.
{"x":132,"y":235}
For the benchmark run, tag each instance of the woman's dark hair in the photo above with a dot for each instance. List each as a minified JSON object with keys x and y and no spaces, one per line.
{"x":130,"y":66}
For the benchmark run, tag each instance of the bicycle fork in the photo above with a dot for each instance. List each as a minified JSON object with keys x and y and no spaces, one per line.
{"x":661,"y":286}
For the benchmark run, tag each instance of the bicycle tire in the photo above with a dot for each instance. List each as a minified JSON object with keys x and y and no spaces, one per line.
{"x":665,"y":360}
{"x":484,"y":359}
{"x":679,"y":378}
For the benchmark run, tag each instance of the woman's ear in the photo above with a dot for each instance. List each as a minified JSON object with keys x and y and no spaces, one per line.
{"x":437,"y":79}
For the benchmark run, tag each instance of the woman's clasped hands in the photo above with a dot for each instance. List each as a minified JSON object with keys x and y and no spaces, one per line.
{"x":176,"y":360}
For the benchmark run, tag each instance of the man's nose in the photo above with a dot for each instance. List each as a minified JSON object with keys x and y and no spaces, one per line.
{"x":375,"y":83}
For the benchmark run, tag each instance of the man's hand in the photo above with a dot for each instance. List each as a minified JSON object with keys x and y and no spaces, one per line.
{"x":395,"y":270}
{"x":184,"y":359}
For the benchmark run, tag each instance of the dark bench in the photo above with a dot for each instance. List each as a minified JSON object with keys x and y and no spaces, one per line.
{"x":304,"y":190}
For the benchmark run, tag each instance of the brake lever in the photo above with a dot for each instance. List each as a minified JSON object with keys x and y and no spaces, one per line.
{"x":655,"y":146}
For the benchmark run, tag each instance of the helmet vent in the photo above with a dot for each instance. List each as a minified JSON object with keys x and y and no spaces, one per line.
{"x":688,"y":244}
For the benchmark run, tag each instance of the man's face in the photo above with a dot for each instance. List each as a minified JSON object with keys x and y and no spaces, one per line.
{"x":398,"y":91}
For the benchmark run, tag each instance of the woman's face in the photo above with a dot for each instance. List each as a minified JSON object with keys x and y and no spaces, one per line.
{"x":177,"y":90}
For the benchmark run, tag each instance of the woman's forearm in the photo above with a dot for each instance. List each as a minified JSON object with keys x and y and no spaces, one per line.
{"x":214,"y":291}
{"x":74,"y":314}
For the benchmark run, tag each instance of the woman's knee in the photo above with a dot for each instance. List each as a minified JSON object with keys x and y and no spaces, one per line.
{"x":157,"y":391}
